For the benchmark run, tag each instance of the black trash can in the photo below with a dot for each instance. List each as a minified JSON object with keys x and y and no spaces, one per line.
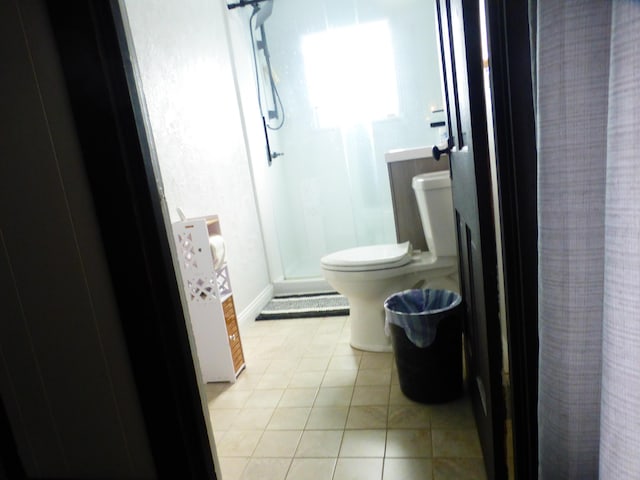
{"x":426,"y":334}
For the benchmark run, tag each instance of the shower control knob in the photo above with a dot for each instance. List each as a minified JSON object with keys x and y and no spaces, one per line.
{"x":443,"y":148}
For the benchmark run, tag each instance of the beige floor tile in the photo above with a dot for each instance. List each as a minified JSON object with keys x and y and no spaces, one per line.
{"x":331,"y":325}
{"x":278,"y":444}
{"x":218,"y":435}
{"x":232,"y":467}
{"x":408,"y":469}
{"x":313,"y":364}
{"x":212,"y":390}
{"x":311,"y":469}
{"x":289,"y":418}
{"x":264,"y":398}
{"x":327,"y":418}
{"x":306,"y":379}
{"x":248,"y":380}
{"x":274,"y":380}
{"x":222,"y":418}
{"x":239,"y":443}
{"x":328,"y":339}
{"x":334,"y":397}
{"x":263,"y":327}
{"x":452,"y":415}
{"x":336,"y":387}
{"x":374,"y":377}
{"x":299,"y":349}
{"x":374,"y":360}
{"x":358,"y":469}
{"x":363,"y":443}
{"x":299,"y":338}
{"x":266,"y":469}
{"x":290,"y":328}
{"x":344,"y":362}
{"x":365,"y":395}
{"x":270,"y":348}
{"x":457,"y":468}
{"x":249,"y":335}
{"x":367,"y":417}
{"x":272,"y":340}
{"x":395,"y":380}
{"x":266,"y":352}
{"x":309,"y":324}
{"x":314,"y":350}
{"x":319,"y":443}
{"x":298,"y":397}
{"x":456,"y":443}
{"x":397,"y":397}
{"x":344,"y":348}
{"x":408,"y":444}
{"x":231,"y":399}
{"x":409,"y":416}
{"x":339,"y":378}
{"x":282,"y":365}
{"x":290,"y":351}
{"x":251,"y":419}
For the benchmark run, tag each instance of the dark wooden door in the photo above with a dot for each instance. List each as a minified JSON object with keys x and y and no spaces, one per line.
{"x":460,"y":42}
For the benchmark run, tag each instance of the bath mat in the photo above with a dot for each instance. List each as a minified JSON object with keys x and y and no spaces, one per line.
{"x":329,"y":304}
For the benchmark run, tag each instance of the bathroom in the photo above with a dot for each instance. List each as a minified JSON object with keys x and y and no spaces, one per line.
{"x":196,"y":75}
{"x":195,"y":62}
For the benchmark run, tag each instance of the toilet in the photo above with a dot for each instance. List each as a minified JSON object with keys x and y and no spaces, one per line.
{"x":368,"y":275}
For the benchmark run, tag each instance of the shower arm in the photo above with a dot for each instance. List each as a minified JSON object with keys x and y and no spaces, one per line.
{"x":244,"y":3}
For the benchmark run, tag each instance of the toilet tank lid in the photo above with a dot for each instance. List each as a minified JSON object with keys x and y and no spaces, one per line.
{"x":396,"y":254}
{"x":432,"y":180}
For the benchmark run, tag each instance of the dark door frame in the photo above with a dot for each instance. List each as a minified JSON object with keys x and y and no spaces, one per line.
{"x":515,"y":143}
{"x":117,"y":156}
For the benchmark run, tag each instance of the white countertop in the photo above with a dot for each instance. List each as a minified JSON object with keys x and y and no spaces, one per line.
{"x":403,"y":154}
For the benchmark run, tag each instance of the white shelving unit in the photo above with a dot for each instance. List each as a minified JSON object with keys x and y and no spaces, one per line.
{"x":210,"y":300}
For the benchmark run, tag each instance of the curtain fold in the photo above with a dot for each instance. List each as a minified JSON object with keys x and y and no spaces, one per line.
{"x":620,"y":417}
{"x":588,"y":124}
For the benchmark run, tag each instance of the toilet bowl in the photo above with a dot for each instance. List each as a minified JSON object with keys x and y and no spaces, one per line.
{"x":368,"y":275}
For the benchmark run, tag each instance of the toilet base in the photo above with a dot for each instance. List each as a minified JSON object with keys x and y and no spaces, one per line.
{"x":367,"y":326}
{"x":372,"y":348}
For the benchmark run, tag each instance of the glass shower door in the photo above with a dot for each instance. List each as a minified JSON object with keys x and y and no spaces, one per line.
{"x":356,"y":80}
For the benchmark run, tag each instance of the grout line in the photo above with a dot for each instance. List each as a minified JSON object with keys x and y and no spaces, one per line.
{"x":272,"y":357}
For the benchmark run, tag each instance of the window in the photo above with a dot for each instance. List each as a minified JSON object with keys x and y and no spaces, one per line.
{"x":351,"y":74}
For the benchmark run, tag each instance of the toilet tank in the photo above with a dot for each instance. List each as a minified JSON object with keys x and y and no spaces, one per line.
{"x":433,"y":194}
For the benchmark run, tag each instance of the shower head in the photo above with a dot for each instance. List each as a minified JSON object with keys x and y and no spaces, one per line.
{"x":264,"y":11}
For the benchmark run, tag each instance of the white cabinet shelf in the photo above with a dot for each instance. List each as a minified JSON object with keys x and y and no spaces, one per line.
{"x":209,"y":297}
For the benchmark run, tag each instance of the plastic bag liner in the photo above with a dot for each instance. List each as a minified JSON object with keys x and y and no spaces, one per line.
{"x":418,"y":313}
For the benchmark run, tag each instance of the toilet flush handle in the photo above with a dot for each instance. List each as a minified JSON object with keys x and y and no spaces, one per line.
{"x":443,"y":148}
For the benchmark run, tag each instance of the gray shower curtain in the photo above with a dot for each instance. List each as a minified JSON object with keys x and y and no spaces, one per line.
{"x":588,"y":125}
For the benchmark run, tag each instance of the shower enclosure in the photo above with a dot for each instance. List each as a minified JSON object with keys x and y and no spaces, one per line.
{"x":355,"y":79}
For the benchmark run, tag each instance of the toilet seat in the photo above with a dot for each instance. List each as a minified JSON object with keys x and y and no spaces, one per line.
{"x":372,"y":257}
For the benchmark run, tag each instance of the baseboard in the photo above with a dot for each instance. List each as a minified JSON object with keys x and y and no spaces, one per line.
{"x":301,"y":286}
{"x":251,"y":311}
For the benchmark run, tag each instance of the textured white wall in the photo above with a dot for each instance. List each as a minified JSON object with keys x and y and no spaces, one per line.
{"x":187,"y":75}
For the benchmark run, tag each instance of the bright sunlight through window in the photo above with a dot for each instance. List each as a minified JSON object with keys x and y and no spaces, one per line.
{"x":351,"y":74}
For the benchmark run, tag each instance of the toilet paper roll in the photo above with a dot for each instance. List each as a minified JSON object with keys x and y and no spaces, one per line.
{"x":217,"y":250}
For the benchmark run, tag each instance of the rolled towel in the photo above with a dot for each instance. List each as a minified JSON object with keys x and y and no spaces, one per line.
{"x":217,"y":250}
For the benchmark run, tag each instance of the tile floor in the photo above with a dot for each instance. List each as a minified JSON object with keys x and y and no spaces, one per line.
{"x":310,"y":407}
